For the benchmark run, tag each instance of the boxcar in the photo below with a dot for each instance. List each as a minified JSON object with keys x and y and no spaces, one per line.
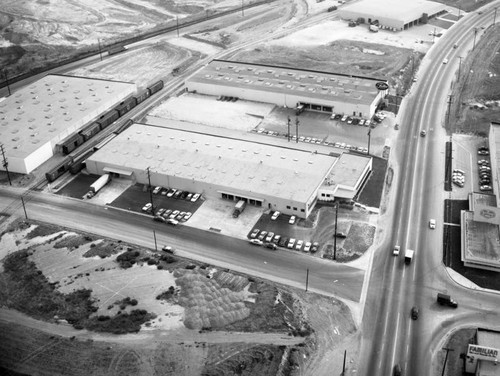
{"x":126,"y":106}
{"x":156,"y":87}
{"x":143,"y":96}
{"x":108,"y":118}
{"x":60,"y":169}
{"x":71,"y":143}
{"x":90,"y":131}
{"x":79,"y":162}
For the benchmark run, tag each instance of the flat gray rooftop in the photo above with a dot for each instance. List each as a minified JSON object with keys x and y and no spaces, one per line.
{"x":248,"y":166}
{"x":348,"y":170}
{"x":38,"y":113}
{"x":403,"y":10}
{"x":283,"y":80}
{"x":482,"y":242}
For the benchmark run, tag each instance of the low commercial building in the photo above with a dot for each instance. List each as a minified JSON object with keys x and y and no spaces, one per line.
{"x":35,"y":118}
{"x":494,"y":146}
{"x":307,"y":89}
{"x":268,"y":176}
{"x":483,"y":355}
{"x":393,"y":14}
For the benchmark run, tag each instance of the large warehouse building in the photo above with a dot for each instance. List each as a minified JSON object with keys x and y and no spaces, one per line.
{"x":393,"y":14}
{"x":34,"y":119}
{"x":318,"y":91}
{"x":263,"y":175}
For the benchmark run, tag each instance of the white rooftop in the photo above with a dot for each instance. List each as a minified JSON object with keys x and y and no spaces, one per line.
{"x":404,"y":10}
{"x":253,"y":167}
{"x":38,"y":113}
{"x":285,"y":80}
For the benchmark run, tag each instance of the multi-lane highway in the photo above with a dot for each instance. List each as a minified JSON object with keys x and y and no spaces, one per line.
{"x":390,"y":336}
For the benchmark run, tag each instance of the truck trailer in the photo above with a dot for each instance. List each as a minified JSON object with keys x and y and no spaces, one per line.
{"x":445,"y":299}
{"x":99,"y":183}
{"x":409,"y":256}
{"x":238,"y":208}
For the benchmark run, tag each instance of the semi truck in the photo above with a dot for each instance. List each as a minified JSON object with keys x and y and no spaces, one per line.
{"x":238,"y":208}
{"x":445,"y":299}
{"x":409,"y":256}
{"x":97,"y":185}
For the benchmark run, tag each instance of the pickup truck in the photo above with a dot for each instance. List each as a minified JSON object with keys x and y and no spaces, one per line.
{"x":445,"y":299}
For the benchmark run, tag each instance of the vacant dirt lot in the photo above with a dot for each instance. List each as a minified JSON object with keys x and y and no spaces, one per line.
{"x":207,"y":321}
{"x":476,"y":94}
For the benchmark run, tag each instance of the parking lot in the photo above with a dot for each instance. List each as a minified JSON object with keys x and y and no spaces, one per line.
{"x":321,"y":128}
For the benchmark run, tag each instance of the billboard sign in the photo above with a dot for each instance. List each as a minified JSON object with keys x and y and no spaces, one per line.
{"x":382,"y":85}
{"x":485,"y":213}
{"x":482,"y":352}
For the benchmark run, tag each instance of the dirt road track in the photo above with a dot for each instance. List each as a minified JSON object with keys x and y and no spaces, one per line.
{"x":151,"y":337}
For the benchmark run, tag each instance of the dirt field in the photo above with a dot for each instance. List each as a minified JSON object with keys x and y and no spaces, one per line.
{"x":207,"y":321}
{"x":476,"y":95}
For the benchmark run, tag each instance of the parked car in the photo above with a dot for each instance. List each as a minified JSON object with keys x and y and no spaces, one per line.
{"x":168,"y":249}
{"x":283,"y":242}
{"x":164,"y":191}
{"x":160,"y":211}
{"x":361,"y":121}
{"x":172,"y":222}
{"x":344,"y":118}
{"x":423,"y":132}
{"x":256,"y":242}
{"x":254,"y":233}
{"x":184,"y":195}
{"x":187,"y":216}
{"x":299,"y":244}
{"x":355,"y":121}
{"x":307,"y":247}
{"x":275,"y":215}
{"x":195,"y":197}
{"x":349,"y":120}
{"x":483,"y":162}
{"x":171,"y":192}
{"x":485,"y":181}
{"x":483,"y":152}
{"x":315,"y":247}
{"x":262,"y":235}
{"x":271,"y":246}
{"x":147,"y":207}
{"x":338,"y":117}
{"x":156,"y":190}
{"x":180,"y":216}
{"x":276,"y":239}
{"x":174,"y":214}
{"x":189,"y":197}
{"x":292,"y":220}
{"x":270,"y":236}
{"x":177,"y":194}
{"x":167,"y":213}
{"x":341,"y":235}
{"x":414,"y":313}
{"x":333,"y":116}
{"x":485,"y":188}
{"x":291,"y":243}
{"x":159,"y":218}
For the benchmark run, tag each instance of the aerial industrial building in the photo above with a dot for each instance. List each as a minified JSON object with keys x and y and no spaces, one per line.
{"x":34,"y":119}
{"x":263,"y":175}
{"x":312,"y":90}
{"x":393,"y":14}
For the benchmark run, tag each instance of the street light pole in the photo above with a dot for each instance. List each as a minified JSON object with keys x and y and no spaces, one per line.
{"x":335,"y":232}
{"x":369,"y":138}
{"x":150,"y":191}
{"x":242,"y":12}
{"x":459,"y":66}
{"x":445,"y":359}
{"x":288,"y":134}
{"x":297,"y":129}
{"x":475,"y":33}
{"x":6,"y":81}
{"x":5,"y":163}
{"x":99,"y":43}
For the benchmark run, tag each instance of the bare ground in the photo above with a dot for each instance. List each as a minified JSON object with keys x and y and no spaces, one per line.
{"x":476,"y":95}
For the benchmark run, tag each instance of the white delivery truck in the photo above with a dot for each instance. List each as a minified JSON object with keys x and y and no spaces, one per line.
{"x":409,"y":256}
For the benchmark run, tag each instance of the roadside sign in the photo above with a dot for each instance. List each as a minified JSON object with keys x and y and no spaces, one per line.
{"x":382,"y":85}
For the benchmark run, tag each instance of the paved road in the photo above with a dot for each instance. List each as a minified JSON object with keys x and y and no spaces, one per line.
{"x":281,"y":266}
{"x":389,"y":334}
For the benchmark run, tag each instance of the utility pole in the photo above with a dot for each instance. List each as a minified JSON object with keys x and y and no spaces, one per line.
{"x":369,"y":138}
{"x":242,"y":12}
{"x":177,"y":19}
{"x":343,"y":367}
{"x":24,"y":208}
{"x":288,"y":134}
{"x":154,"y":236}
{"x":445,"y":358}
{"x":450,"y":101}
{"x":99,"y":43}
{"x":433,"y":35}
{"x":475,"y":33}
{"x":307,"y":279}
{"x":6,"y":81}
{"x":150,"y":191}
{"x":495,"y":16}
{"x":335,"y":232}
{"x":5,"y":163}
{"x":297,"y":129}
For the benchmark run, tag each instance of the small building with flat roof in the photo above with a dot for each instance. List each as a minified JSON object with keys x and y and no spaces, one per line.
{"x":393,"y":14}
{"x":480,"y":243}
{"x":307,"y":89}
{"x":35,"y":118}
{"x":268,"y":176}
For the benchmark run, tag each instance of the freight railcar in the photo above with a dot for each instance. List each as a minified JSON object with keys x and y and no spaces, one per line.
{"x":71,"y":143}
{"x":79,"y":162}
{"x":108,"y":118}
{"x":143,"y":96}
{"x":60,"y":169}
{"x":126,"y":106}
{"x":156,"y":87}
{"x":90,"y":131}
